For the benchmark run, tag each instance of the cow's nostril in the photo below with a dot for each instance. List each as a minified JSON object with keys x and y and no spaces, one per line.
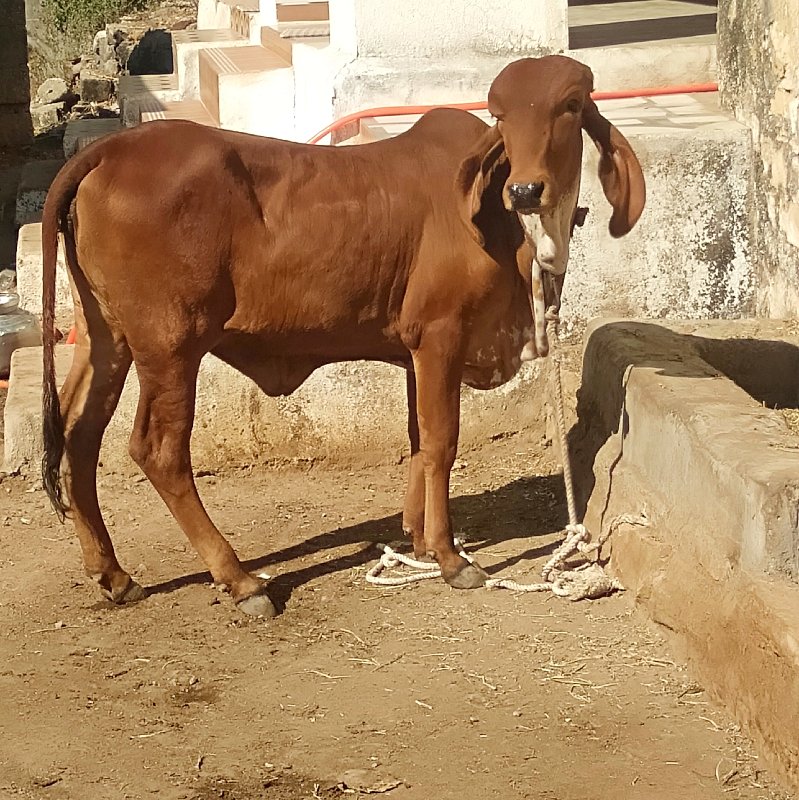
{"x":525,"y":195}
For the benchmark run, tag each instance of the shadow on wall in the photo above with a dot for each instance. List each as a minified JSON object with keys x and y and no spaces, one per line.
{"x":152,"y":54}
{"x":767,"y":370}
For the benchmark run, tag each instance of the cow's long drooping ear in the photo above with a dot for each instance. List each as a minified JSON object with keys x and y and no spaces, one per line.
{"x":476,"y":177}
{"x":619,"y":171}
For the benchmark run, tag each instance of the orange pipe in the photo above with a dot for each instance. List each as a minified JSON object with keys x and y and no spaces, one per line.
{"x":482,"y":105}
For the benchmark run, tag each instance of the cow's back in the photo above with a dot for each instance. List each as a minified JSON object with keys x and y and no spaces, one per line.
{"x":283,"y":240}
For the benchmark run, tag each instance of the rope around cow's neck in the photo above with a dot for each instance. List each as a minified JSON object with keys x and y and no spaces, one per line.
{"x":588,"y":581}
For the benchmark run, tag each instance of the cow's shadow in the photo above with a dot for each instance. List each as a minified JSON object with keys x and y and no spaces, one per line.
{"x":526,"y":508}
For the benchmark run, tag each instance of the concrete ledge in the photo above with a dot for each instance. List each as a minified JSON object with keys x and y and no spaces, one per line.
{"x":675,"y":422}
{"x":344,"y":413}
{"x":89,"y":129}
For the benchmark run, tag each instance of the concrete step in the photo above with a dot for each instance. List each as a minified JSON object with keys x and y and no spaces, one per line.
{"x":250,"y":89}
{"x":80,"y":132}
{"x":135,"y":90}
{"x":29,"y":277}
{"x":303,"y":11}
{"x":186,"y":46}
{"x":32,"y":190}
{"x":645,"y":42}
{"x":242,"y":16}
{"x":192,"y":110}
{"x":636,"y":21}
{"x":305,"y":30}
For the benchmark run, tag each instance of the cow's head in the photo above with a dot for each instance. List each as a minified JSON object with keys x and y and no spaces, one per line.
{"x":530,"y":162}
{"x":542,"y":105}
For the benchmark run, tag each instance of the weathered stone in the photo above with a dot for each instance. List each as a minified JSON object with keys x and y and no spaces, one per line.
{"x":93,"y":129}
{"x":46,"y":116}
{"x":759,"y":77}
{"x":152,"y":55}
{"x":52,"y":90}
{"x":713,"y":466}
{"x":101,"y":46}
{"x":110,"y":68}
{"x":95,"y":88}
{"x":33,"y":185}
{"x":123,"y":51}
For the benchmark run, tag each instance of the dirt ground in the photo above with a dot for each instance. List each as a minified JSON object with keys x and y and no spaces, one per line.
{"x":411,"y":693}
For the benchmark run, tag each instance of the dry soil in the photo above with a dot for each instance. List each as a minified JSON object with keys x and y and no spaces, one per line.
{"x":412,"y":693}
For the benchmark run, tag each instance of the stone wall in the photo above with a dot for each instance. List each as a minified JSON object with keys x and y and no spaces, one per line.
{"x":15,"y":118}
{"x":759,"y":76}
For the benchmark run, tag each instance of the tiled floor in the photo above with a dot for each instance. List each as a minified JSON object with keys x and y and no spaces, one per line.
{"x":637,"y":115}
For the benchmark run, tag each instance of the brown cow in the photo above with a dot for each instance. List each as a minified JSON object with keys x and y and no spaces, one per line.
{"x":280,"y":257}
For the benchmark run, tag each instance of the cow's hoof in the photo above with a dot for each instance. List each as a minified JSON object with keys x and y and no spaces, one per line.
{"x":470,"y":577}
{"x":132,"y":594}
{"x":257,"y":605}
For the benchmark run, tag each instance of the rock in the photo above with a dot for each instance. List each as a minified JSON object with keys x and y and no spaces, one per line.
{"x":95,"y":88}
{"x":152,"y":55}
{"x":110,"y":67}
{"x":101,"y":47}
{"x":47,"y":115}
{"x":52,"y":90}
{"x":123,"y":51}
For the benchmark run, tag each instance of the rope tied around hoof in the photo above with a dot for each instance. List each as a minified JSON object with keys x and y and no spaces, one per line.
{"x":589,"y":581}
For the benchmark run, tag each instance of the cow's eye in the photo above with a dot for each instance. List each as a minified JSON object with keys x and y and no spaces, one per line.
{"x":574,"y":106}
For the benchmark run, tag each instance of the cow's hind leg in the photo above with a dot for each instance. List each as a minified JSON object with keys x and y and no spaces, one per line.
{"x":413,"y":511}
{"x":88,"y":399}
{"x":160,"y":445}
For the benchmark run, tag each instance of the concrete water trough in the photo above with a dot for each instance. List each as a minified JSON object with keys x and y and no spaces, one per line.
{"x":691,"y":424}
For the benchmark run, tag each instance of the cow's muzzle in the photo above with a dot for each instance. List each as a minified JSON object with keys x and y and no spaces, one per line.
{"x":525,"y":198}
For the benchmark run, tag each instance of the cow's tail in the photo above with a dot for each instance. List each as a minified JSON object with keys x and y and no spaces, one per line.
{"x":55,"y":220}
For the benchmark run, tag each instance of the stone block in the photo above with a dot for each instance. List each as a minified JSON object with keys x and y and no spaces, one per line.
{"x":29,"y":277}
{"x":47,"y":115}
{"x":33,"y":185}
{"x":95,"y":88}
{"x":89,"y":130}
{"x":16,"y":127}
{"x":52,"y":90}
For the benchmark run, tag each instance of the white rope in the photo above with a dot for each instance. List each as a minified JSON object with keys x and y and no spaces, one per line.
{"x":589,"y":580}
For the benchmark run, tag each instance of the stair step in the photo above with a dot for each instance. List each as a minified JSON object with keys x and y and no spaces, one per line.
{"x":134,"y":89}
{"x":192,"y":110}
{"x":304,"y":30}
{"x":303,"y":11}
{"x":186,"y":46}
{"x":637,"y":21}
{"x":250,"y":89}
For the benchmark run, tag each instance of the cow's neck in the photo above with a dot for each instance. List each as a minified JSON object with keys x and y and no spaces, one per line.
{"x":548,"y":236}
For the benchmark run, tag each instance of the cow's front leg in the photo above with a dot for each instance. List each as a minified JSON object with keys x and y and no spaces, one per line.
{"x":438,"y":367}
